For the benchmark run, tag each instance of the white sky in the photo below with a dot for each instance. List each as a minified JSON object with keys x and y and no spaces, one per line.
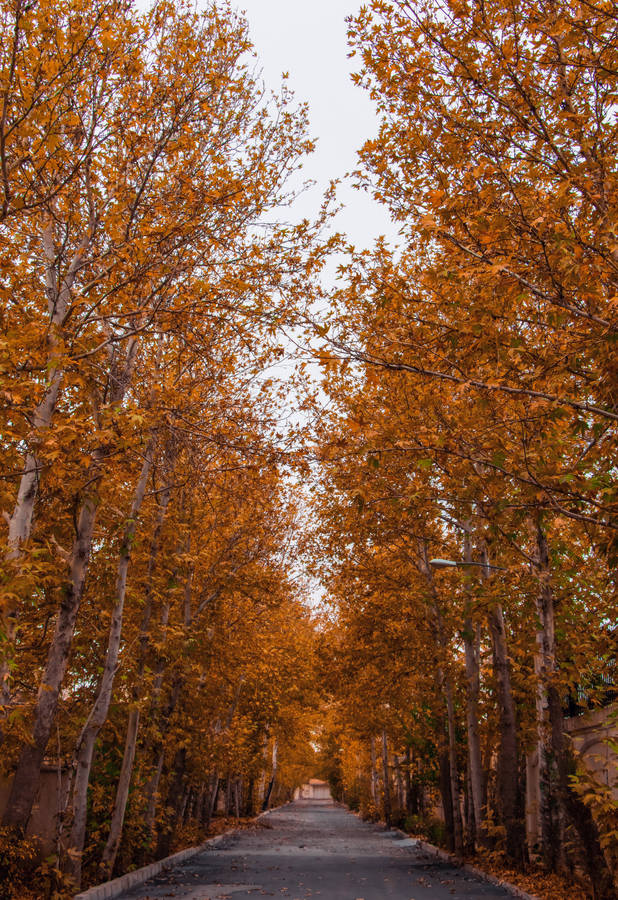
{"x":308,"y":40}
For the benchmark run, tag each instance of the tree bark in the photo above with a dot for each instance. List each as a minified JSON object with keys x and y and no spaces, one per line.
{"x":560,"y":804}
{"x":28,"y":774}
{"x":471,"y":636}
{"x":273,"y":776}
{"x":374,"y":775}
{"x":400,"y":791}
{"x":152,"y":789}
{"x":98,"y":715}
{"x":445,"y":783}
{"x":110,"y":851}
{"x":552,"y":813}
{"x":173,"y":802}
{"x":509,"y":794}
{"x":27,"y":777}
{"x":212,"y":799}
{"x":20,"y":522}
{"x":388,"y":812}
{"x":446,"y":687}
{"x":508,"y":769}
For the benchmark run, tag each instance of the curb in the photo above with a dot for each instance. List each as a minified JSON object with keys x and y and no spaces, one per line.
{"x":110,"y":889}
{"x":455,"y":861}
{"x":471,"y":870}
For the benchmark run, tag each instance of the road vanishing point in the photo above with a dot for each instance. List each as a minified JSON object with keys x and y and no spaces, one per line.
{"x":311,"y":849}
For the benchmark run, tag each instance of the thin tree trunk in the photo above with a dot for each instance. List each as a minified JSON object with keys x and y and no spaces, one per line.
{"x":445,"y":782}
{"x":20,"y":522}
{"x":388,"y":812}
{"x":400,"y":791}
{"x":152,"y":792}
{"x":28,"y":774}
{"x":471,"y":636}
{"x":560,"y":802}
{"x":198,"y":811}
{"x":273,"y":776}
{"x":410,"y":807}
{"x":228,"y":795}
{"x":182,"y":811}
{"x":249,"y":802}
{"x":96,"y":720}
{"x":27,"y":777}
{"x":108,"y":858}
{"x":173,"y":802}
{"x":212,"y":800}
{"x":110,"y":851}
{"x":508,"y":769}
{"x":533,"y":800}
{"x":511,"y":812}
{"x":237,"y":793}
{"x":446,"y":687}
{"x":374,"y":774}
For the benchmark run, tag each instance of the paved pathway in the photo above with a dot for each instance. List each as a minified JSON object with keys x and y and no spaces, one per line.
{"x":309,"y":850}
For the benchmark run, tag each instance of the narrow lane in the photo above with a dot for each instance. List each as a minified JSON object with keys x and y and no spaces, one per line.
{"x":316,"y":850}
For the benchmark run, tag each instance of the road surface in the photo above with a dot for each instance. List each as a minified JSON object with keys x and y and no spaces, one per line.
{"x":320,"y":851}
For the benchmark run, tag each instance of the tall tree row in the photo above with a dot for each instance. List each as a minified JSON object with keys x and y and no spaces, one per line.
{"x":472,"y":417}
{"x":144,"y":276}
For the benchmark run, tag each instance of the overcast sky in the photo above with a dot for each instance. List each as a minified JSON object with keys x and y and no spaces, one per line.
{"x":308,"y":40}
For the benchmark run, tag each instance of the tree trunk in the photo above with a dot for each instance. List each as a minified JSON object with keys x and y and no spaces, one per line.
{"x":85,"y":746}
{"x":28,"y":774}
{"x":173,"y":802}
{"x":108,"y":858}
{"x":20,"y":522}
{"x":27,"y":777}
{"x":533,"y":802}
{"x":400,"y":791}
{"x":471,"y":636}
{"x":110,"y":851}
{"x":249,"y":802}
{"x":212,"y":799}
{"x":559,"y":801}
{"x":273,"y":776}
{"x":152,"y":793}
{"x":508,"y":769}
{"x":446,"y":688}
{"x":509,"y":795}
{"x":407,"y":775}
{"x":445,"y":783}
{"x":237,"y":796}
{"x":552,"y":813}
{"x":228,"y":795}
{"x":388,"y":812}
{"x":374,"y":774}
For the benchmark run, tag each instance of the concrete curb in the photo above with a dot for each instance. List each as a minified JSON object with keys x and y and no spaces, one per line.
{"x":455,"y":861}
{"x":471,"y":870}
{"x":110,"y":889}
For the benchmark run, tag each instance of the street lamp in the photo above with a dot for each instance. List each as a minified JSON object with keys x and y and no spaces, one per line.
{"x":452,"y":563}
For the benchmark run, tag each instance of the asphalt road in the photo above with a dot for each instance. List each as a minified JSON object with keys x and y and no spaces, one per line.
{"x":309,"y":850}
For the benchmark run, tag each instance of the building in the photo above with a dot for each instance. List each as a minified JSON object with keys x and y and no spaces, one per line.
{"x":315,"y":790}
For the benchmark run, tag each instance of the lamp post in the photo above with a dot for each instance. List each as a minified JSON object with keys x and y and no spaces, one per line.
{"x":438,"y":563}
